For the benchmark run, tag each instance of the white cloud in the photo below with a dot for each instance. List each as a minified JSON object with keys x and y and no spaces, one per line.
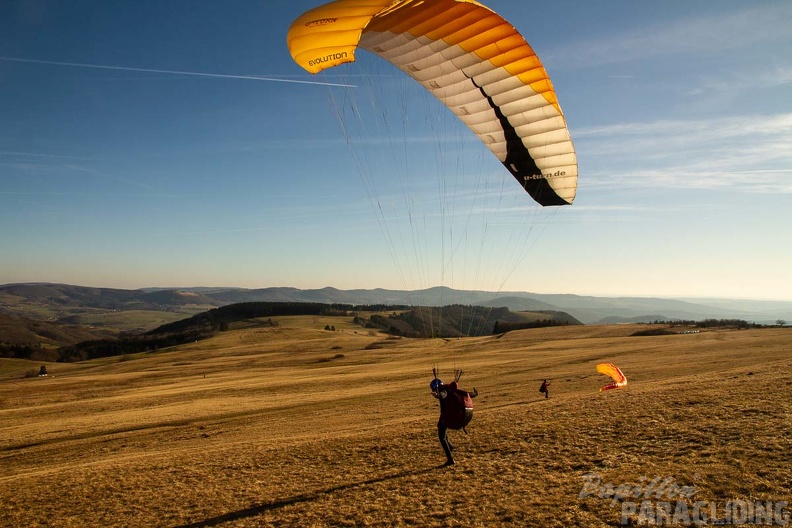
{"x":750,"y":153}
{"x":748,"y":27}
{"x":735,"y":82}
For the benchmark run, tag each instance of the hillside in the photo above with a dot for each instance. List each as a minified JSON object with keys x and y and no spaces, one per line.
{"x":292,"y":425}
{"x":82,"y":305}
{"x":95,"y":306}
{"x":18,"y":330}
{"x":38,"y":339}
{"x":450,"y":321}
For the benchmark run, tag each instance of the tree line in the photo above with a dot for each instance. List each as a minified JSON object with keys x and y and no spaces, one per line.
{"x":714,"y":323}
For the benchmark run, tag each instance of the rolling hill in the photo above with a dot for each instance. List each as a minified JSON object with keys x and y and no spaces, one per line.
{"x":19,"y":330}
{"x":94,"y":306}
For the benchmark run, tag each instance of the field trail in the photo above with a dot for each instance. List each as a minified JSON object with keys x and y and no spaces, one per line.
{"x":299,"y":426}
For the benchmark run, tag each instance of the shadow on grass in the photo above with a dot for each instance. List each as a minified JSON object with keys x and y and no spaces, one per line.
{"x":305,"y":497}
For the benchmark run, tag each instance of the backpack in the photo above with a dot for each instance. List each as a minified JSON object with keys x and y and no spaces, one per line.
{"x":456,"y":409}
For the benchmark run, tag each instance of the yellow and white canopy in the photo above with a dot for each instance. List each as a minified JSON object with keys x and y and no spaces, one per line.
{"x":472,"y":60}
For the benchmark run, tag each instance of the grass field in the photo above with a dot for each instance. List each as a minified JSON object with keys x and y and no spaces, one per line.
{"x":298,"y":426}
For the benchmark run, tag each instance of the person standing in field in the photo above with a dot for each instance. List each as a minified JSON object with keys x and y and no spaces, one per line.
{"x":545,"y":388}
{"x":456,"y":411}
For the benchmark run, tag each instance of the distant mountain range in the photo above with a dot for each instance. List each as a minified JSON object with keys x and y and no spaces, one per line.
{"x":65,"y":303}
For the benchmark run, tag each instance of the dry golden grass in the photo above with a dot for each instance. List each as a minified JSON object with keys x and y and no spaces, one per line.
{"x":297,"y":426}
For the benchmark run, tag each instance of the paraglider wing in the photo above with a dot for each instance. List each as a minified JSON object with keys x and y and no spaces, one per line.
{"x":472,"y":60}
{"x":609,"y":369}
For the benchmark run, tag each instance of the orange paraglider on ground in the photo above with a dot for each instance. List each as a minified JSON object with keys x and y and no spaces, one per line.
{"x":609,"y":369}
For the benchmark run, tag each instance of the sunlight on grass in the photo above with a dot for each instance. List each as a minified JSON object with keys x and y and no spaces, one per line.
{"x":297,"y":425}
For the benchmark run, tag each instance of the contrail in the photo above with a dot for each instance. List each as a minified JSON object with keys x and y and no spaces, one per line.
{"x":174,"y":72}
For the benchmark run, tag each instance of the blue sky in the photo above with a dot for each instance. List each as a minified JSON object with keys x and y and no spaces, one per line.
{"x":681,"y":114}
